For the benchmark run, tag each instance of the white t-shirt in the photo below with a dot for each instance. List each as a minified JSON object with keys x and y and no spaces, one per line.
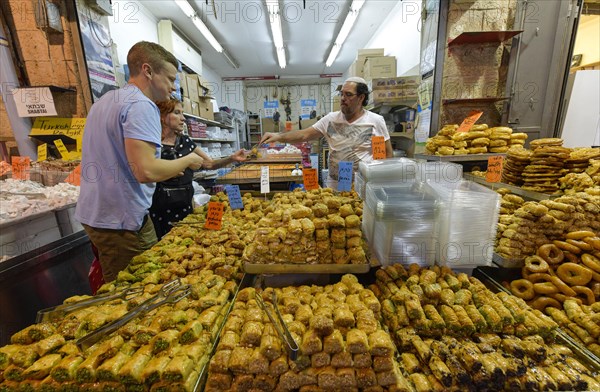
{"x":350,"y":141}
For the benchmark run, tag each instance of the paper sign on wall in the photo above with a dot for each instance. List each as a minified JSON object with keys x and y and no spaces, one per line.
{"x":214,"y":216}
{"x":311,"y":180}
{"x":20,"y":168}
{"x":74,"y":178}
{"x":42,"y":152}
{"x":469,"y":121}
{"x":345,"y":176}
{"x":265,"y":186}
{"x":64,"y":153}
{"x":378,"y":146}
{"x":494,"y":169}
{"x":34,"y":102}
{"x":235,"y":197}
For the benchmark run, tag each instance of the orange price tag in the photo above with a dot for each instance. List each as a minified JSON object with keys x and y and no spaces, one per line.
{"x":74,"y":178}
{"x":214,"y":216}
{"x":311,"y":180}
{"x":469,"y":121}
{"x":378,"y":145}
{"x":20,"y":168}
{"x":494,"y":169}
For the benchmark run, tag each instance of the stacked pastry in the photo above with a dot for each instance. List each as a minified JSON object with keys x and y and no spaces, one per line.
{"x":342,"y":345}
{"x":545,"y":142}
{"x":584,"y":170}
{"x":454,"y":334}
{"x":563,"y":269}
{"x":535,"y":224}
{"x":545,"y":168}
{"x":320,"y":227}
{"x":500,"y":138}
{"x":163,"y":349}
{"x":517,"y":159}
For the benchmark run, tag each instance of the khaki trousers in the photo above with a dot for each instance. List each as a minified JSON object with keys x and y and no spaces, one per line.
{"x":117,"y":247}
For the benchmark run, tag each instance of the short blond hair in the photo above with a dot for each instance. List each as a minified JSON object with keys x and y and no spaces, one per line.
{"x":150,"y":53}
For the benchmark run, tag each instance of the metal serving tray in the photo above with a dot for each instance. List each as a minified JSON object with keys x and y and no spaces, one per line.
{"x":306,"y":268}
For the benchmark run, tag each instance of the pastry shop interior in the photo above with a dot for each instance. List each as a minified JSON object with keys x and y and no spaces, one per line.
{"x":455,"y":247}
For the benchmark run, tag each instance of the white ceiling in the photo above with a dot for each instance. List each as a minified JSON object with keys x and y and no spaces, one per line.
{"x":242,"y":28}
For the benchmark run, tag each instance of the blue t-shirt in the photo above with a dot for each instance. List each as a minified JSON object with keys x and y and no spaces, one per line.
{"x":110,"y":196}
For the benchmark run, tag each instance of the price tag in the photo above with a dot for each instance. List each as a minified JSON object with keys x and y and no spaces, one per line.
{"x":345,"y":176}
{"x":77,"y":153}
{"x":378,"y":145}
{"x":74,"y":178}
{"x":311,"y":180}
{"x":214,"y":216}
{"x":469,"y":121}
{"x":235,"y":197}
{"x":42,"y":152}
{"x":494,"y":169}
{"x":265,"y":185}
{"x":64,"y":153}
{"x":20,"y":168}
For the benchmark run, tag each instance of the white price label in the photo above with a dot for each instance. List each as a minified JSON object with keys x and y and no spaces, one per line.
{"x":264,"y":180}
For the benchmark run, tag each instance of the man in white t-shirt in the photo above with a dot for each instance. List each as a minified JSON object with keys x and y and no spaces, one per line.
{"x":348,"y":132}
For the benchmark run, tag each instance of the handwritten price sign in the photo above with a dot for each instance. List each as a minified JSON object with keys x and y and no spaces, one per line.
{"x":235,"y":197}
{"x":469,"y":121}
{"x":494,"y":169}
{"x":311,"y":180}
{"x":214,"y":216}
{"x":20,"y":168}
{"x":64,"y":153}
{"x":74,"y":178}
{"x":345,"y":176}
{"x":42,"y":152}
{"x":265,"y":184}
{"x":378,"y":145}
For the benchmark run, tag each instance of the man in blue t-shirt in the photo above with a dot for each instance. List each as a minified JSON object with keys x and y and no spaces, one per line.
{"x":121,"y":159}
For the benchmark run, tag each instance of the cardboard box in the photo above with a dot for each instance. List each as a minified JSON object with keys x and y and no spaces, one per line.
{"x":195,"y":107}
{"x":400,"y":81}
{"x":183,"y":84}
{"x":193,"y":87}
{"x":187,"y":105}
{"x":205,"y":108}
{"x":335,"y":106}
{"x":379,"y":67}
{"x":357,"y":68}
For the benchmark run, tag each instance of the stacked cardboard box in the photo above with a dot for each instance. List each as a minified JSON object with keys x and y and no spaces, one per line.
{"x":195,"y":93}
{"x":372,"y":63}
{"x":386,"y":90}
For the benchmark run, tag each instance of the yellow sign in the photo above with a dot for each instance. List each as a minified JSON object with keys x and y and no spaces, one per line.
{"x":48,"y":126}
{"x":42,"y":152}
{"x":64,"y":153}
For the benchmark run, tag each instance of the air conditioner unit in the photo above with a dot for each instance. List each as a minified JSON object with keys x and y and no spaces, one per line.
{"x":103,"y":7}
{"x":174,"y":43}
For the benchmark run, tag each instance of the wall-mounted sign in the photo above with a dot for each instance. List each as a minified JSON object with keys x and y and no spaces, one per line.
{"x":34,"y":102}
{"x":270,"y":108}
{"x":307,"y":106}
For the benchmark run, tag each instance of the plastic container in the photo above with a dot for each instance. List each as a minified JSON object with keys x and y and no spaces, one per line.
{"x":439,"y":172}
{"x":391,"y":169}
{"x":467,"y":223}
{"x":399,"y":222}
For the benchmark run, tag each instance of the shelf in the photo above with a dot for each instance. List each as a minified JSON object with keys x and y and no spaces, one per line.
{"x":530,"y":195}
{"x":202,"y":139}
{"x":383,"y":108}
{"x":405,"y":135}
{"x":473,"y":100}
{"x":481,"y":37}
{"x":458,"y":158}
{"x":209,"y":122}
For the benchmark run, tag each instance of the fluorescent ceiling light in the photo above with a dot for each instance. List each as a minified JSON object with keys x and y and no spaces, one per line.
{"x":189,"y":11}
{"x":275,"y":21}
{"x":344,"y":31}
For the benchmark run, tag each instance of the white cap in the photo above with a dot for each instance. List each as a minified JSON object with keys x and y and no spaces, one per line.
{"x":356,"y":79}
